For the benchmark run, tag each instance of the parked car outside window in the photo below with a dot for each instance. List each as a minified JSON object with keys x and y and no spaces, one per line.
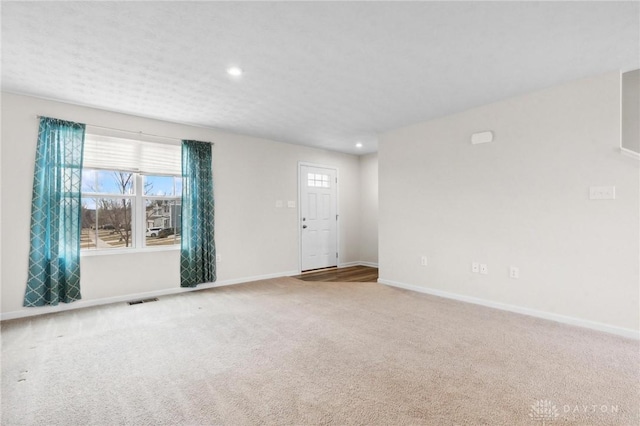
{"x":166,"y":232}
{"x":153,"y":232}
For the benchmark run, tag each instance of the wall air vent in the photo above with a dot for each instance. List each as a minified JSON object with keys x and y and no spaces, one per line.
{"x":137,"y":302}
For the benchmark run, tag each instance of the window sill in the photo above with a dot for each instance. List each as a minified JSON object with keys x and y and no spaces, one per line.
{"x":126,"y":251}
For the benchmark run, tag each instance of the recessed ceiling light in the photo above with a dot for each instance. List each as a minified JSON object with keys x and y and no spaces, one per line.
{"x":234,"y":71}
{"x":358,"y":145}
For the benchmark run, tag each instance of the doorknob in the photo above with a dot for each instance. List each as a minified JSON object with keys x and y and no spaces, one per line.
{"x":304,"y":226}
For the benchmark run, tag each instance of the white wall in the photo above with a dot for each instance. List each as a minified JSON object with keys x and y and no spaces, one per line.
{"x":521,"y":200}
{"x":253,"y":237}
{"x":369,"y":209}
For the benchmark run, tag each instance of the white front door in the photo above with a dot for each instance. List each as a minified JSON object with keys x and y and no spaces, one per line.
{"x":318,"y":217}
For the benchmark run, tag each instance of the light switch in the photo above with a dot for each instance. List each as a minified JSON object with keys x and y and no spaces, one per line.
{"x":291,"y":204}
{"x":484,"y":269}
{"x":514,"y":272}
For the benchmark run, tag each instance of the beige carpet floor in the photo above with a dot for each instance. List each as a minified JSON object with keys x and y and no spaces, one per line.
{"x":287,"y":352}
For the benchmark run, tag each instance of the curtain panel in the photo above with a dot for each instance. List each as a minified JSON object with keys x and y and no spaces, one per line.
{"x":54,"y":254}
{"x":197,"y":250}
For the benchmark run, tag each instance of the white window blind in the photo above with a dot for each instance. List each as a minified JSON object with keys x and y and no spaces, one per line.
{"x":133,"y":155}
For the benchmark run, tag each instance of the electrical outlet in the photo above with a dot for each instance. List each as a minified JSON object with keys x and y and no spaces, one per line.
{"x":475,"y":267}
{"x":218,"y":258}
{"x":514,"y":272}
{"x":484,"y":269}
{"x":291,"y":204}
{"x":423,"y":261}
{"x":602,"y":193}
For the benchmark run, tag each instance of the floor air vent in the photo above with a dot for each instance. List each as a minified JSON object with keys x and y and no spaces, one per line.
{"x":137,"y":302}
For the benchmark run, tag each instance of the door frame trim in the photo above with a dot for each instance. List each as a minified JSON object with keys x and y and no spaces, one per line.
{"x":298,"y":220}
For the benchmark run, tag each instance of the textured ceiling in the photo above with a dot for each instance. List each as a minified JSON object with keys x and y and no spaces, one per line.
{"x":323,"y":74}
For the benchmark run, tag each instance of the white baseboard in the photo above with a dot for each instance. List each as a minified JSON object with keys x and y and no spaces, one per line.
{"x":29,"y":312}
{"x":357,"y":263}
{"x":630,"y":153}
{"x":620,"y":331}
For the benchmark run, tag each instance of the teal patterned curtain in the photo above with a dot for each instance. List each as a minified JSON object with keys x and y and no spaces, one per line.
{"x":54,"y":256}
{"x":198,"y":250}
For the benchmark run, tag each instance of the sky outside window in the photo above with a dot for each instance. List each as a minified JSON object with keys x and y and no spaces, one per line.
{"x":107,"y":182}
{"x":162,"y":186}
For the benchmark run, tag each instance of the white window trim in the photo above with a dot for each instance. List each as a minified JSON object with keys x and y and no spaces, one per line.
{"x":127,"y":250}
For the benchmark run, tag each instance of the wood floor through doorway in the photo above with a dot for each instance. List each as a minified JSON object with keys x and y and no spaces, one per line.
{"x":361,"y":274}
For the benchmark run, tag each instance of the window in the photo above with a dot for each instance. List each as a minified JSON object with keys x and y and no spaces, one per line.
{"x":131,"y":192}
{"x":162,"y":209}
{"x":317,"y":180}
{"x":108,"y":198}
